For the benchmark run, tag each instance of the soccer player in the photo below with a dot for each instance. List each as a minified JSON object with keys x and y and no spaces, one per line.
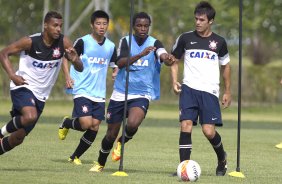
{"x":204,"y":52}
{"x":89,"y":87}
{"x":39,"y":66}
{"x":146,"y":55}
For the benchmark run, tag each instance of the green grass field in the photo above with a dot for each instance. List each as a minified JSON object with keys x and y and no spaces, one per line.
{"x":153,"y":153}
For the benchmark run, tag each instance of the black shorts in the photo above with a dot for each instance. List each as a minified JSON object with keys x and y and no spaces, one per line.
{"x":23,"y":97}
{"x":116,"y":108}
{"x":86,"y":107}
{"x":194,"y":104}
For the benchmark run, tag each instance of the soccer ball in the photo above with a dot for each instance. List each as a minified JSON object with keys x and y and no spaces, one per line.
{"x":189,"y":170}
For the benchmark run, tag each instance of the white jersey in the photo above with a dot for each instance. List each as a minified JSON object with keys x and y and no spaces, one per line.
{"x":202,"y":58}
{"x":40,"y":66}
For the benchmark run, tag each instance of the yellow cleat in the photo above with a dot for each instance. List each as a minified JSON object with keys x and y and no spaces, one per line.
{"x":75,"y":161}
{"x":279,"y":146}
{"x":96,"y":167}
{"x":116,"y":152}
{"x":62,"y":130}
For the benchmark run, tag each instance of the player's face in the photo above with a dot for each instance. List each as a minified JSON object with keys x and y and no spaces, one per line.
{"x":202,"y":24}
{"x":141,"y":27}
{"x":53,"y":27}
{"x":100,"y":26}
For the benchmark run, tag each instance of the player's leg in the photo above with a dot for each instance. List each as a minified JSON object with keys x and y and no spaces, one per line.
{"x":24,"y":103}
{"x":114,"y":119}
{"x":215,"y":140}
{"x":82,"y":108}
{"x":11,"y":141}
{"x":185,"y":140}
{"x":85,"y":141}
{"x":28,"y":117}
{"x":209,"y":117}
{"x":106,"y":146}
{"x":137,"y":109}
{"x":25,"y":113}
{"x":188,"y":107}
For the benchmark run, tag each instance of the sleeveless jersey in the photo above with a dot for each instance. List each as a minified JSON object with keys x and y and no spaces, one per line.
{"x":96,"y":59}
{"x":143,"y":73}
{"x":40,"y":66}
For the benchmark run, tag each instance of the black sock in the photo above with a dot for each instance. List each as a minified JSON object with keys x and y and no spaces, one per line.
{"x":105,"y":150}
{"x":14,"y":124}
{"x":4,"y":145}
{"x":185,"y":146}
{"x":85,"y":142}
{"x":217,"y":146}
{"x":128,"y":134}
{"x":72,"y":123}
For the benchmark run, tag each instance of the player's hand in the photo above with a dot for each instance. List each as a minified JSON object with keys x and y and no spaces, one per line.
{"x":176,"y":87}
{"x":114,"y":74}
{"x":147,"y":50}
{"x":69,"y":83}
{"x":226,"y":100}
{"x":71,"y":54}
{"x":169,"y":59}
{"x":18,"y":80}
{"x":281,"y":81}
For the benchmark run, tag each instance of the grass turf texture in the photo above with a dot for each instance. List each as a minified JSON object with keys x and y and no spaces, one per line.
{"x":153,"y":153}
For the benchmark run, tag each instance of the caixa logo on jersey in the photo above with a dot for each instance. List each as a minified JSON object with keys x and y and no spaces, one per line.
{"x":203,"y":55}
{"x":45,"y":64}
{"x":101,"y":61}
{"x":141,"y":62}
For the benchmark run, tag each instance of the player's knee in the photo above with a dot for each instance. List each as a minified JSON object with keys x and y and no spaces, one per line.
{"x":95,"y":125}
{"x":209,"y":133}
{"x":29,"y":119}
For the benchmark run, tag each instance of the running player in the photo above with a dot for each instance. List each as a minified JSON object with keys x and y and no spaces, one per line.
{"x":39,"y":66}
{"x":147,"y":53}
{"x":89,"y":87}
{"x":204,"y":52}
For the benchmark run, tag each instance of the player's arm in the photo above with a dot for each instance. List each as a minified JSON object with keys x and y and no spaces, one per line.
{"x":123,"y":54}
{"x":162,"y":54}
{"x":113,"y":64}
{"x":226,"y":72}
{"x":174,"y":77}
{"x":68,"y":79}
{"x":79,"y":48}
{"x":71,"y":55}
{"x":177,"y":52}
{"x":24,"y":44}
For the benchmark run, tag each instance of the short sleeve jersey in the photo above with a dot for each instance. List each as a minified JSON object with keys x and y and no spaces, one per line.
{"x":202,"y":58}
{"x":40,"y":66}
{"x":96,"y":58}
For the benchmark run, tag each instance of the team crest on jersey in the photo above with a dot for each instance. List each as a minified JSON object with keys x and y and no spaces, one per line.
{"x":213,"y":45}
{"x":84,"y":109}
{"x":56,"y":52}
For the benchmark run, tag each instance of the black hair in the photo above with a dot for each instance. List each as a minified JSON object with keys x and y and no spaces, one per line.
{"x":205,"y":8}
{"x":99,"y":14}
{"x":52,"y":14}
{"x":141,"y":15}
